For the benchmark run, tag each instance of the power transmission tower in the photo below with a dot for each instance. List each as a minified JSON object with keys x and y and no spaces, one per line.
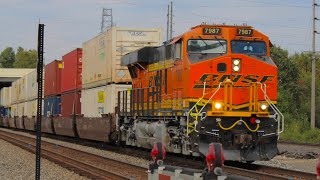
{"x":313,"y":81}
{"x":107,"y":19}
{"x":169,"y":22}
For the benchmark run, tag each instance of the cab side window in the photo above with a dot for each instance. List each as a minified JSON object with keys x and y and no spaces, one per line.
{"x":178,"y":49}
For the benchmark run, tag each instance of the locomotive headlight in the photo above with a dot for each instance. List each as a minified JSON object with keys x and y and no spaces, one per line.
{"x":236,"y":62}
{"x":218,"y":105}
{"x":236,"y":65}
{"x":236,"y":68}
{"x":263,"y":107}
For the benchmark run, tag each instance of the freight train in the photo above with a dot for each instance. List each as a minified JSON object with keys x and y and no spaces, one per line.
{"x":214,"y":83}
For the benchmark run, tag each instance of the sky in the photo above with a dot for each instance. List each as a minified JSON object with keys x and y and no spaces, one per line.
{"x":69,"y":23}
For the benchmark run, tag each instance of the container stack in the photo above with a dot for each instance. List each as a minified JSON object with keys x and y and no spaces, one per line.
{"x":24,"y":94}
{"x":71,"y":83}
{"x":102,"y":74}
{"x":28,"y":108}
{"x":52,"y":89}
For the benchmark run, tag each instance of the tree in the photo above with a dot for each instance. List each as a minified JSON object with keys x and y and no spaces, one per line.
{"x":7,"y":58}
{"x":26,"y":58}
{"x":288,"y":77}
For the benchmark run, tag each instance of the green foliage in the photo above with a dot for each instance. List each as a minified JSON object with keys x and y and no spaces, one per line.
{"x":288,"y":78}
{"x":294,"y":95}
{"x":22,"y":59}
{"x":7,"y":58}
{"x":25,"y":58}
{"x":299,"y":131}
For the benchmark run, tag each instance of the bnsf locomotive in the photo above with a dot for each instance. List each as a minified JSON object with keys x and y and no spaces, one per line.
{"x":214,"y":83}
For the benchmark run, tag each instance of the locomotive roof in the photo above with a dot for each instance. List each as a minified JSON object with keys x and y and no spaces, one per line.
{"x":221,"y":25}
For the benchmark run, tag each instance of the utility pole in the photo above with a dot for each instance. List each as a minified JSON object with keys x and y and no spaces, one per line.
{"x":39,"y":112}
{"x":171,"y":16}
{"x":168,"y":22}
{"x":313,"y":81}
{"x":107,"y":19}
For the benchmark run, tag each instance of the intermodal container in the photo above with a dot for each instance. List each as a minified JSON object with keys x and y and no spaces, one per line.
{"x":14,"y":110}
{"x":21,"y":109}
{"x":52,"y":105}
{"x":101,"y":100}
{"x":14,"y":92}
{"x":8,"y":101}
{"x":71,"y":71}
{"x":22,"y":89}
{"x":8,"y":111}
{"x":70,"y":103}
{"x":3,"y":96}
{"x":2,"y":111}
{"x":31,"y":108}
{"x":32,"y":85}
{"x":102,"y":54}
{"x":52,"y":83}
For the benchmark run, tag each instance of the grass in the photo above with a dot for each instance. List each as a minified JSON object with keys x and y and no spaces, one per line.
{"x":299,"y":131}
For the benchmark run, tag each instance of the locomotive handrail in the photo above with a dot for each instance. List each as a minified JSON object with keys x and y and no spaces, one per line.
{"x":214,"y":93}
{"x":274,"y":108}
{"x":195,"y":105}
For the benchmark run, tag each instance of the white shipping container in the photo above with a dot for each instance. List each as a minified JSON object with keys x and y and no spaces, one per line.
{"x":31,"y":108}
{"x":14,"y":110}
{"x":32,"y":85}
{"x":2,"y":96}
{"x":21,"y":109}
{"x":101,"y":100}
{"x":102,"y":54}
{"x":22,"y":89}
{"x":14,"y":92}
{"x":9,"y":100}
{"x":5,"y":99}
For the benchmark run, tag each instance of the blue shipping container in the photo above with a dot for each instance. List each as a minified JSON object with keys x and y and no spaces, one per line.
{"x":8,"y":112}
{"x":2,"y":111}
{"x":52,"y":105}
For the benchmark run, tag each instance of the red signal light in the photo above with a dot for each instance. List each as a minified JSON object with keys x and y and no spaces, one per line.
{"x":158,"y":152}
{"x":252,"y":120}
{"x":214,"y":157}
{"x":154,"y":152}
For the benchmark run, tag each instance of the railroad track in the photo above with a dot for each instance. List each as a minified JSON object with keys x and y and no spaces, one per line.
{"x":268,"y":172}
{"x":254,"y":171}
{"x":247,"y":170}
{"x":299,"y":143}
{"x":83,"y":163}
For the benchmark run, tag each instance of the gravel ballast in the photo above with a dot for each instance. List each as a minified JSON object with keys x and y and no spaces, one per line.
{"x":16,"y":164}
{"x":104,"y":153}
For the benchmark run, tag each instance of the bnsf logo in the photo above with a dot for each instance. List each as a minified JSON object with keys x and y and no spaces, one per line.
{"x":211,"y":78}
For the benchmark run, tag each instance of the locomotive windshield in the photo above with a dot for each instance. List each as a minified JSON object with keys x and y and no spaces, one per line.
{"x":207,"y":46}
{"x":249,"y":47}
{"x":204,"y":49}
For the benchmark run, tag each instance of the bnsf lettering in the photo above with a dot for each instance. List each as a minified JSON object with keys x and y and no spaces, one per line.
{"x":156,"y":81}
{"x":234,"y":78}
{"x":267,"y":79}
{"x":250,"y":78}
{"x":211,"y":78}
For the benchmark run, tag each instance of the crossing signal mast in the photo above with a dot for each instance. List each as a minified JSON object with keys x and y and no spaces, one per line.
{"x":313,"y":81}
{"x":107,"y":19}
